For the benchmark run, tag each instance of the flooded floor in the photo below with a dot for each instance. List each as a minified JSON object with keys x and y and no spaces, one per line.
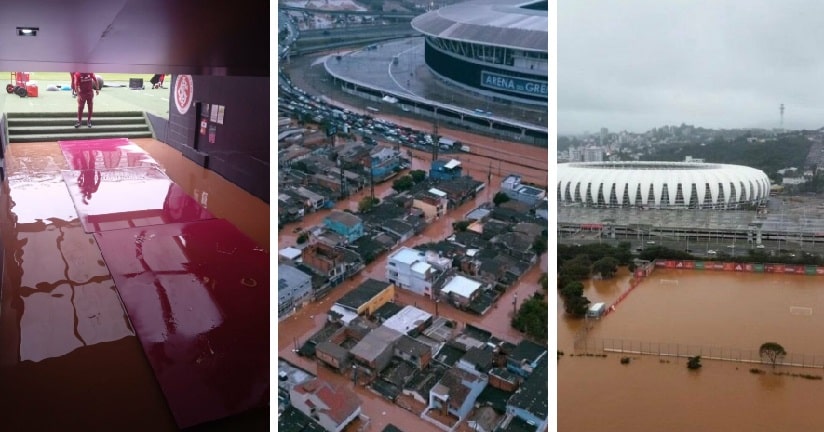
{"x":69,"y":357}
{"x":702,"y":308}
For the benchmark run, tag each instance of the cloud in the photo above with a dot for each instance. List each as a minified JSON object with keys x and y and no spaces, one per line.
{"x":636,"y":64}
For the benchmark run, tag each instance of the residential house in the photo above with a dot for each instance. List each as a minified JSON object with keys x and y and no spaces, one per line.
{"x":334,"y":355}
{"x":409,"y":321}
{"x":374,"y":351}
{"x":443,"y":169}
{"x":456,"y":392}
{"x":332,"y":407}
{"x":517,"y":245}
{"x":514,"y":189}
{"x":525,"y":357}
{"x":292,"y":420}
{"x":460,"y":190}
{"x":413,"y":351}
{"x":408,"y":269}
{"x":477,"y":360}
{"x":365,"y":299}
{"x":327,"y":261}
{"x":422,"y":383}
{"x":503,"y":379}
{"x":384,"y":162}
{"x":530,"y":402}
{"x":398,"y":228}
{"x":294,"y":288}
{"x":312,"y":200}
{"x":346,"y":224}
{"x":432,"y":202}
{"x":460,"y":291}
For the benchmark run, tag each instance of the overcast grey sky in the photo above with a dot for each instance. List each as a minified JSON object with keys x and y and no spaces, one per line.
{"x":638,"y":64}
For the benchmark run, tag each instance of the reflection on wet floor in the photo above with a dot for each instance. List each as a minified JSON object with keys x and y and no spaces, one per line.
{"x":66,"y":342}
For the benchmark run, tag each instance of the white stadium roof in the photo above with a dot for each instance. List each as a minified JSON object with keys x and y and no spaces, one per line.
{"x":660,"y":184}
{"x":501,"y":23}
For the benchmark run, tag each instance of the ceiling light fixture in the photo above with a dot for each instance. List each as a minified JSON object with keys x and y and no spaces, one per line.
{"x":27,"y":31}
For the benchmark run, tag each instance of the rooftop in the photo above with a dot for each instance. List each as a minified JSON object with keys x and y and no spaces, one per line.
{"x":408,"y":319}
{"x":341,"y":401}
{"x":344,"y":218}
{"x":375,"y":343}
{"x":528,"y":350}
{"x":462,"y":286}
{"x":407,"y":255}
{"x":292,"y":420}
{"x":409,"y":345}
{"x":533,"y":394}
{"x":505,"y":23}
{"x":362,"y":293}
{"x":387,"y":310}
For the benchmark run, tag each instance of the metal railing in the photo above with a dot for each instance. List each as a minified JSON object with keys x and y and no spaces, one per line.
{"x":669,"y":349}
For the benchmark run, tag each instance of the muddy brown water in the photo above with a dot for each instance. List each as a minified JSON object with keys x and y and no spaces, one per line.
{"x":702,"y":308}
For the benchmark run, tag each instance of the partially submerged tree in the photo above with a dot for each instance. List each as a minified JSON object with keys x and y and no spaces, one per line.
{"x":772,"y":353}
{"x":694,"y":363}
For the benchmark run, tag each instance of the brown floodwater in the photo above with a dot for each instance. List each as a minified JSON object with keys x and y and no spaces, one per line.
{"x":296,"y":329}
{"x":731,"y":310}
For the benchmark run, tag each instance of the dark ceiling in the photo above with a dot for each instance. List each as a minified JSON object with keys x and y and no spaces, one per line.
{"x":200,"y":37}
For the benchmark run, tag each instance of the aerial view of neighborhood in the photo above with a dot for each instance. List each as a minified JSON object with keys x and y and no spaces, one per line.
{"x":413,"y":216}
{"x":690,"y":218}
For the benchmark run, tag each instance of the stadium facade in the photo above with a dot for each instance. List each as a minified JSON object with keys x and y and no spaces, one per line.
{"x":495,"y":48}
{"x":661,"y":185}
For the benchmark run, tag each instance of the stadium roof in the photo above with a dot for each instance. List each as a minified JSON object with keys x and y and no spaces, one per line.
{"x":502,"y":23}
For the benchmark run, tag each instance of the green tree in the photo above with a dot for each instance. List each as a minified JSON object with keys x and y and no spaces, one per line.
{"x":403,"y":183}
{"x":500,"y":198}
{"x":303,"y":237}
{"x":772,"y":353}
{"x":366,"y":204}
{"x":606,"y":267}
{"x":574,"y":301}
{"x":539,"y":246}
{"x":461,"y":226}
{"x":533,"y":318}
{"x":694,"y":363}
{"x":418,"y":175}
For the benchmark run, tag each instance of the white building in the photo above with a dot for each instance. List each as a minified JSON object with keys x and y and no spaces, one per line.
{"x":594,"y":154}
{"x":409,"y":319}
{"x":461,"y":289}
{"x":407,"y":269}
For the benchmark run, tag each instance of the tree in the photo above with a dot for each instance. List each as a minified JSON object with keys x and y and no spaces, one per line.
{"x":403,"y":183}
{"x":461,"y":226}
{"x":606,"y":267}
{"x":574,"y":301}
{"x":500,"y":198}
{"x":694,"y":363}
{"x":772,"y":353}
{"x":533,"y":318}
{"x":418,"y":175}
{"x":539,"y":245}
{"x":303,"y":237}
{"x":367,"y":203}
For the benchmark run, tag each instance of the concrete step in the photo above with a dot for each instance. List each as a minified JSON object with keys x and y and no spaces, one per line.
{"x":81,"y":134}
{"x":69,"y":121}
{"x":69,"y":128}
{"x":97,"y":114}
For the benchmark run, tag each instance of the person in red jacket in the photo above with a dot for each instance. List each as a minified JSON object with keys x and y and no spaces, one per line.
{"x":85,"y":85}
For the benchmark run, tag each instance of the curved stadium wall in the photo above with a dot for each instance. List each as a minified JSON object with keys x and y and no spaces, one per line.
{"x":484,"y":76}
{"x":661,"y":185}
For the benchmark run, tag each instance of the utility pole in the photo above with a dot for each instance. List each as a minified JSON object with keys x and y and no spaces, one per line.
{"x":436,"y":141}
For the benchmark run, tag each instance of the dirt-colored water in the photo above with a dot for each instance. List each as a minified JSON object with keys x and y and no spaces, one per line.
{"x":702,"y":308}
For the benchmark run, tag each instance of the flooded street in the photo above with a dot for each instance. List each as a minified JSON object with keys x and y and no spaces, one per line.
{"x":713,"y":309}
{"x":293,"y":331}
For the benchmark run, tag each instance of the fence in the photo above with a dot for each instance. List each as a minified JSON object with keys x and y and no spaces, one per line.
{"x":666,"y":349}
